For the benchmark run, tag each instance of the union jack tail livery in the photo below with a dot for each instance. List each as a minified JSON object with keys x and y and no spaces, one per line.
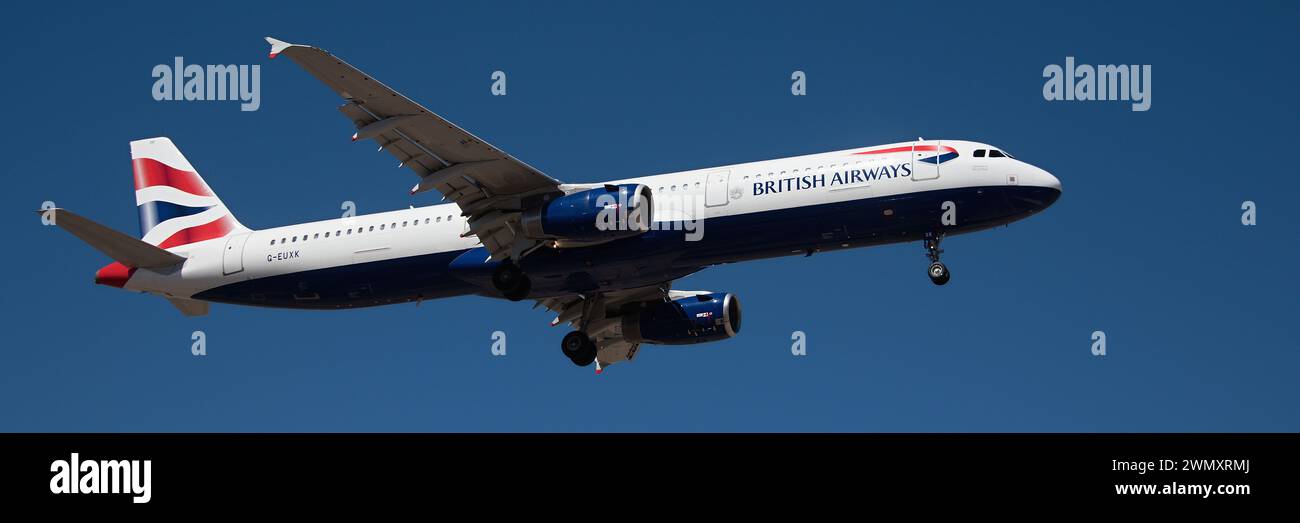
{"x":176,"y":206}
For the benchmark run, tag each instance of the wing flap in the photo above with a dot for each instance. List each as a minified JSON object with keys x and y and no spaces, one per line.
{"x":190,"y":307}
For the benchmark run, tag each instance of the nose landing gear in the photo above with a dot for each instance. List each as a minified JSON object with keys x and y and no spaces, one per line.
{"x":578,"y":348}
{"x":939,"y":273}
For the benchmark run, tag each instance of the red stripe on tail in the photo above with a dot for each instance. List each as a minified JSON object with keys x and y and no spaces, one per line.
{"x":213,"y":229}
{"x":150,"y":172}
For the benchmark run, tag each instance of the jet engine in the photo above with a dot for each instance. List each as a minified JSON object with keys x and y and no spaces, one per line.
{"x":592,"y":216}
{"x":682,"y":321}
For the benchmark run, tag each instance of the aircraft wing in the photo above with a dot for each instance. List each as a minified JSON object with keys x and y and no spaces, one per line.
{"x":484,"y":181}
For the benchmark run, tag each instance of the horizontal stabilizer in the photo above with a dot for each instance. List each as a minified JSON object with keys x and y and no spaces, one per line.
{"x":127,"y":250}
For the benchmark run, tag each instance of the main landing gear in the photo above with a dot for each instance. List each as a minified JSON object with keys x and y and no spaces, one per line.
{"x":511,"y":281}
{"x":579,"y":348}
{"x":939,"y":274}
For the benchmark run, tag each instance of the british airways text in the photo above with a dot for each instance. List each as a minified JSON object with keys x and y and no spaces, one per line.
{"x":849,"y":177}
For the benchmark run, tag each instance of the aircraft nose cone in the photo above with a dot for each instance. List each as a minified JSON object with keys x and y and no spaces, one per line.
{"x":1038,"y":190}
{"x":1051,"y":181}
{"x":1047,"y":188}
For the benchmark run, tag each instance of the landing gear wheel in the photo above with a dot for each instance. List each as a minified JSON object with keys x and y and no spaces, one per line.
{"x":511,"y":281}
{"x":578,"y":348}
{"x":939,"y":274}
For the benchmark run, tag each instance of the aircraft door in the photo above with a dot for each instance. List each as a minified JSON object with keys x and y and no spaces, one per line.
{"x":232,"y":257}
{"x":926,"y":158}
{"x":715,"y":188}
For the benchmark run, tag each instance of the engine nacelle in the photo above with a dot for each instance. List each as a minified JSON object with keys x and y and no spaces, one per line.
{"x":694,"y":319}
{"x":596,"y":215}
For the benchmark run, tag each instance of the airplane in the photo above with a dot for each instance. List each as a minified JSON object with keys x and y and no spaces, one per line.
{"x":602,"y":256}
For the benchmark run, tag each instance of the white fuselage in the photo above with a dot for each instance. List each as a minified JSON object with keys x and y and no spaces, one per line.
{"x":702,"y":194}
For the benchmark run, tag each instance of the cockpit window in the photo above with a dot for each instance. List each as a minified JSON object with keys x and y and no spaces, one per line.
{"x":994,"y":153}
{"x":979,"y":153}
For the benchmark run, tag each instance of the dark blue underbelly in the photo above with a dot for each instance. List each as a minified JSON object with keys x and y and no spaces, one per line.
{"x":652,"y":257}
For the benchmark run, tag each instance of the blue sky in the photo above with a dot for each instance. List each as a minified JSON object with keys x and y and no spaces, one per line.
{"x":1146,"y":244}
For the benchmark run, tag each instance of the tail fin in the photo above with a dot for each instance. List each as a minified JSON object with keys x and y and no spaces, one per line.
{"x":176,"y":206}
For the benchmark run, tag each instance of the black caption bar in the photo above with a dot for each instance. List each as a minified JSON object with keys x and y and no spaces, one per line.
{"x":142,"y":471}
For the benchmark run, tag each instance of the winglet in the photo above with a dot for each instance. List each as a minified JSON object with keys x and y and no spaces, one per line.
{"x":278,"y":46}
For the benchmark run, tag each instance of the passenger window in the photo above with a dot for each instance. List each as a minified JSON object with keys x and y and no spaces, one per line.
{"x":994,"y":153}
{"x":315,"y":236}
{"x":979,"y":153}
{"x":272,"y":241}
{"x":439,"y":219}
{"x":426,"y":221}
{"x":381,"y":226}
{"x":327,"y":234}
{"x":294,"y":240}
{"x":372,"y":227}
{"x":282,"y":240}
{"x":349,"y":231}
